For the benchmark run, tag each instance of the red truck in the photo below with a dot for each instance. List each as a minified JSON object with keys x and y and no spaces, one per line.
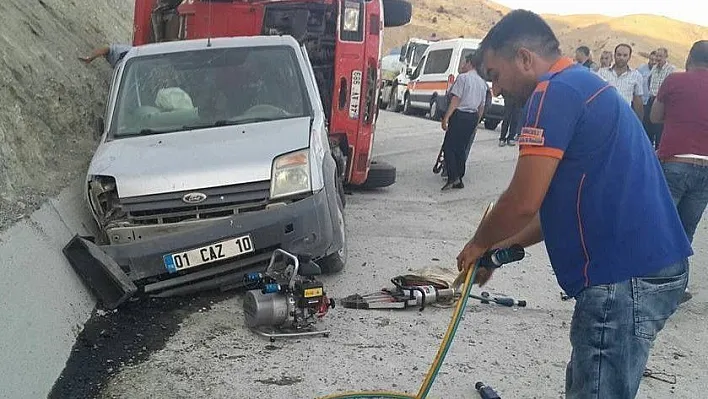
{"x":343,"y":39}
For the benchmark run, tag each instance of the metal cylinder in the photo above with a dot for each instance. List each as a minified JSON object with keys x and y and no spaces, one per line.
{"x":261,"y":309}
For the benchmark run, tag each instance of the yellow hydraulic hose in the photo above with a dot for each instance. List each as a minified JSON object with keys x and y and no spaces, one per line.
{"x":442,"y":350}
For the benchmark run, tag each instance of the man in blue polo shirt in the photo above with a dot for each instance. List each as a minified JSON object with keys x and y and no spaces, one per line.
{"x":587,"y":182}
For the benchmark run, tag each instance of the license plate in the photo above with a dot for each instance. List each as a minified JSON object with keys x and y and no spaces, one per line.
{"x":208,"y":254}
{"x":355,"y":96}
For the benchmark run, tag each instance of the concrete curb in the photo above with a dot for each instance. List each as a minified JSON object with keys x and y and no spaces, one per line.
{"x":44,"y":304}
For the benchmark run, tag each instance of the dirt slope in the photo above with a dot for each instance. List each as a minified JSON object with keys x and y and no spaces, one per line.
{"x":48,"y":98}
{"x":473,"y":18}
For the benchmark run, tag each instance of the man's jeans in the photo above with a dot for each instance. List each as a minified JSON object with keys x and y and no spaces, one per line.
{"x":689,"y":188}
{"x":612,"y":331}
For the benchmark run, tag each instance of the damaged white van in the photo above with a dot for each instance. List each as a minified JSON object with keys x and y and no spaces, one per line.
{"x":213,"y":154}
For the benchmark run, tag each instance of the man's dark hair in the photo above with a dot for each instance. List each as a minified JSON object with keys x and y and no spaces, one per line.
{"x":474,"y":58}
{"x":584,"y":49}
{"x":624,"y":45}
{"x":653,"y":52}
{"x":521,"y":28}
{"x":698,"y":56}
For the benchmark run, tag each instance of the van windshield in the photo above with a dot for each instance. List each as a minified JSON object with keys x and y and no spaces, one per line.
{"x":208,"y":88}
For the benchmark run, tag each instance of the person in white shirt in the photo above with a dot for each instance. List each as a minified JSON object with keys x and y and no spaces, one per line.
{"x":628,"y":81}
{"x":661,"y":70}
{"x":461,"y":119}
{"x":606,"y":59}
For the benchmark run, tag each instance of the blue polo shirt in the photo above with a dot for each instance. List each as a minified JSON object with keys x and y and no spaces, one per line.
{"x":608,"y":214}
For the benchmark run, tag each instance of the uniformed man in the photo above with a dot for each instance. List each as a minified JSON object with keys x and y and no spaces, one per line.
{"x":588,"y":183}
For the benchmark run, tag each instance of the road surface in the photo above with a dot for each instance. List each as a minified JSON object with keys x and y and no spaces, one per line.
{"x":204,"y":351}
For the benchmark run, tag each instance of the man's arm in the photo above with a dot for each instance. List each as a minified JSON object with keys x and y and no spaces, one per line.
{"x":530,"y":235}
{"x":657,"y":112}
{"x":638,"y":92}
{"x":454,"y":103}
{"x":520,"y":203}
{"x":638,"y":106}
{"x":99,"y":52}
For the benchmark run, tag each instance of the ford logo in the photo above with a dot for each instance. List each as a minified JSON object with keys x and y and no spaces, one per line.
{"x":194,"y":198}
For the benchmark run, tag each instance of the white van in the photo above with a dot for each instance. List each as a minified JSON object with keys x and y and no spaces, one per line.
{"x":435,"y":74}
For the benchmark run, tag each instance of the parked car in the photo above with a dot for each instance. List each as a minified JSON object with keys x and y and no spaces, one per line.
{"x":213,"y":154}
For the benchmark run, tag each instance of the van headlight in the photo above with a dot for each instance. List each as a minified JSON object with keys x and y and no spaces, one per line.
{"x":291,"y":174}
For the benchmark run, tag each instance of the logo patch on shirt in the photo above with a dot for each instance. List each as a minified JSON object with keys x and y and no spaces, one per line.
{"x":531,"y":136}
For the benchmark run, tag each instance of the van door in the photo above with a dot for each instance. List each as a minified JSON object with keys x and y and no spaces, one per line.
{"x":433,"y":79}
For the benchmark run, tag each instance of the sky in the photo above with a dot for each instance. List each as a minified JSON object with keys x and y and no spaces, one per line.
{"x":676,"y":9}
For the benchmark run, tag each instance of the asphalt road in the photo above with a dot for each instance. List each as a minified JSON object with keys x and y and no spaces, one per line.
{"x":521,"y":352}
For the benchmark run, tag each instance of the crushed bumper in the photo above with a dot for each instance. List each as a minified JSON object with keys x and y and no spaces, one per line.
{"x":116,"y":272}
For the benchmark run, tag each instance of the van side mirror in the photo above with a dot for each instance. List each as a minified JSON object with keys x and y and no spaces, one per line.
{"x":409,"y":71}
{"x":100,"y":126}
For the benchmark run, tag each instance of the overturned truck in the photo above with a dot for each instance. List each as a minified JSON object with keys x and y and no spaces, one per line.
{"x":229,"y":133}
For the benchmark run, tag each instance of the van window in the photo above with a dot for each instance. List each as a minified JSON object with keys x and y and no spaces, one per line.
{"x":438,"y":61}
{"x":465,"y":53}
{"x":416,"y":73}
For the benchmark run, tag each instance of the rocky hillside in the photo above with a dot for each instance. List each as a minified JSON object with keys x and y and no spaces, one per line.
{"x":473,"y":18}
{"x":49,"y":99}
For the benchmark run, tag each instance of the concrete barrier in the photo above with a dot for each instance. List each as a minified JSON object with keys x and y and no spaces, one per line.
{"x":44,"y":304}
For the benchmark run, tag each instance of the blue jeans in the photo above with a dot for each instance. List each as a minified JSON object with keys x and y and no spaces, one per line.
{"x":613,"y":329}
{"x":689,"y":188}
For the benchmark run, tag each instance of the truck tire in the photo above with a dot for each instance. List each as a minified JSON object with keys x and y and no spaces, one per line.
{"x":335,"y":262}
{"x":491,"y":124}
{"x":381,"y":174}
{"x":397,"y":13}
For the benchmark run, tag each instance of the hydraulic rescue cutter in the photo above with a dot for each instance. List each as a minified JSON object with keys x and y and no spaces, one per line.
{"x":418,"y":291}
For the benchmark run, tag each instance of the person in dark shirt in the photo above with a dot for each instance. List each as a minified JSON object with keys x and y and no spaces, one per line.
{"x":681,"y":106}
{"x":582,"y":57}
{"x":588,"y":183}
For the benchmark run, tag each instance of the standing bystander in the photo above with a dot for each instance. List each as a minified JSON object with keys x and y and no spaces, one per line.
{"x":661,"y":70}
{"x":645,"y":70}
{"x":628,"y":81}
{"x":468,"y":94}
{"x":681,"y":106}
{"x":606,"y":59}
{"x":583,"y":57}
{"x":510,"y":124}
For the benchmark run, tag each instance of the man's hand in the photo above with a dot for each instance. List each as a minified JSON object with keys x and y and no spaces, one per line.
{"x":444,"y":123}
{"x":468,"y":257}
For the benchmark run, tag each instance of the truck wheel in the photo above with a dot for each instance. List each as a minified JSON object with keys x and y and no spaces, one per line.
{"x":491,"y":124}
{"x":381,"y":174}
{"x":397,"y":13}
{"x":335,"y":262}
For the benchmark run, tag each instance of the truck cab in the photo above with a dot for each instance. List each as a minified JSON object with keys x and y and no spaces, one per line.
{"x":343,"y":39}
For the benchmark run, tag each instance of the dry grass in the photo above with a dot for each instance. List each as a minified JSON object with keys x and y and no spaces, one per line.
{"x":473,"y":18}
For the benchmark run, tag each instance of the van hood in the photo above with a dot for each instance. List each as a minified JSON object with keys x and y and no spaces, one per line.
{"x":197,"y":159}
